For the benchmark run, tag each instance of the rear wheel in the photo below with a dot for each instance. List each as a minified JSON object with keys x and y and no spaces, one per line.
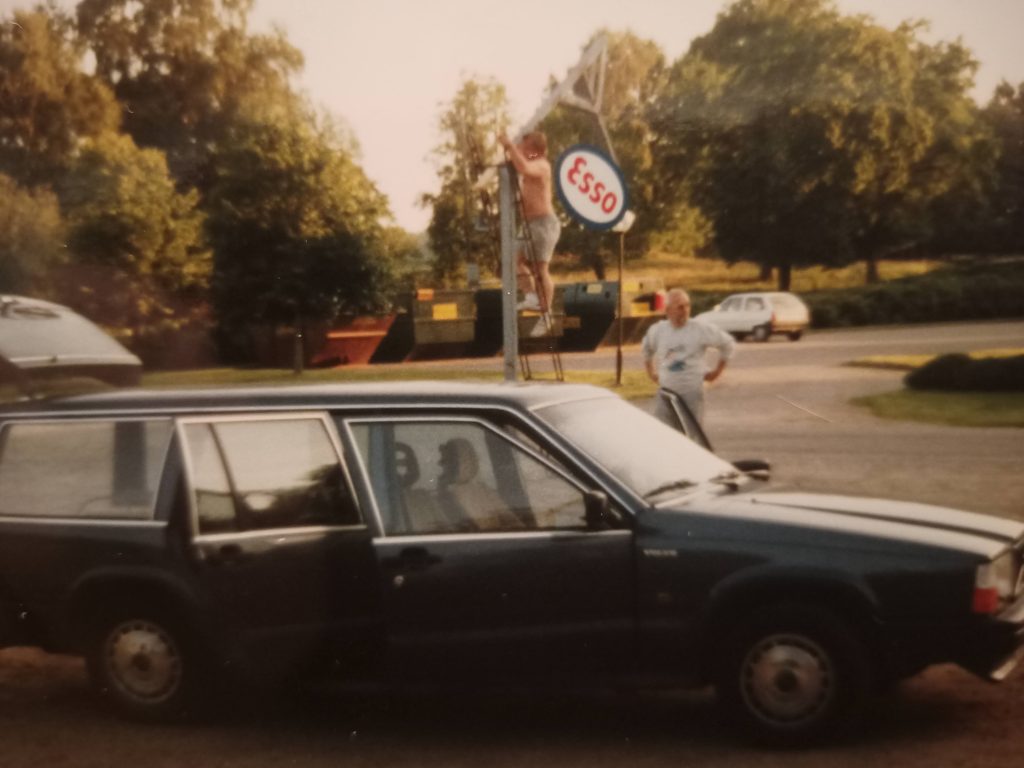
{"x":762,"y":332}
{"x":795,"y":335}
{"x":143,"y":662}
{"x":792,"y":673}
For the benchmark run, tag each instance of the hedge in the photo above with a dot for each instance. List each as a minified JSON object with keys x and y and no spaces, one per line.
{"x":974,"y":290}
{"x":961,"y":373}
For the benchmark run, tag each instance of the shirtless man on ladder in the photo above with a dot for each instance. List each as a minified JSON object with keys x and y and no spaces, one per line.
{"x":530,"y":159}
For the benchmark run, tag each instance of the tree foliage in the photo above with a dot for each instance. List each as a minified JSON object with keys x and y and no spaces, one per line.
{"x":181,"y":69}
{"x":47,"y":103}
{"x":31,"y":237}
{"x":810,"y":137}
{"x":462,"y":227}
{"x":635,"y":75}
{"x":140,"y":260}
{"x":296,"y":224}
{"x":1005,"y":114}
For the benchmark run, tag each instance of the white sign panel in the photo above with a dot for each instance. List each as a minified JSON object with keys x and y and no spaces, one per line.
{"x":591,"y":187}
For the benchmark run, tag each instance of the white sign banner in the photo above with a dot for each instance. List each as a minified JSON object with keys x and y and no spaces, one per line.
{"x":591,"y":187}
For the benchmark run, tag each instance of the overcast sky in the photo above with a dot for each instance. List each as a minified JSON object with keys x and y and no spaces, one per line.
{"x":388,"y":66}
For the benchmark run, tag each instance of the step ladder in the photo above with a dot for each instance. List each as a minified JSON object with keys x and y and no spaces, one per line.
{"x":548,"y":341}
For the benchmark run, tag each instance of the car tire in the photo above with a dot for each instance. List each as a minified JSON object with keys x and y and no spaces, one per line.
{"x":792,"y":673}
{"x":795,"y":335}
{"x":144,"y":663}
{"x":762,"y":333}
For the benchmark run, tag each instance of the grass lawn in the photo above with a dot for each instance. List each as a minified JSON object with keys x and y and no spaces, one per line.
{"x":962,"y":409}
{"x":910,"y":362}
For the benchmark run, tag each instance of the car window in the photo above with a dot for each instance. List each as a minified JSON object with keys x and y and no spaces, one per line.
{"x":434,"y":477}
{"x":641,"y":451}
{"x":731,"y":305}
{"x":754,"y":304}
{"x":254,"y":475}
{"x":82,"y":469}
{"x":785,"y":301}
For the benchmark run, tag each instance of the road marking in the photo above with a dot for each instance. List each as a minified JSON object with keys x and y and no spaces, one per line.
{"x":805,"y":410}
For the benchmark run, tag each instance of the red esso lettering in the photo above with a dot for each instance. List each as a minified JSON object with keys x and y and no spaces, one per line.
{"x":583,"y":181}
{"x":575,"y":170}
{"x":585,"y":186}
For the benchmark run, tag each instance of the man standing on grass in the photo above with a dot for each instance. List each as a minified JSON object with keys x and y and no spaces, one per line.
{"x":530,"y":159}
{"x":673,"y":351}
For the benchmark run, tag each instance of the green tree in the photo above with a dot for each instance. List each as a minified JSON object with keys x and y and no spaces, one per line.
{"x":635,"y":75}
{"x":181,"y":70}
{"x":47,"y":103}
{"x":297,"y":226}
{"x":1005,"y":113}
{"x":809,"y":137}
{"x":139,"y":263}
{"x":463,"y":226}
{"x":31,"y":237}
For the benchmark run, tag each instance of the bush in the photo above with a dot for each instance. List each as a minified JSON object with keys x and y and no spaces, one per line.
{"x":962,"y":373}
{"x":973,"y":291}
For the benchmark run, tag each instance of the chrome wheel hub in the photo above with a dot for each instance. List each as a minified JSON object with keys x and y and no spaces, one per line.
{"x":787,"y":679}
{"x":143,"y":661}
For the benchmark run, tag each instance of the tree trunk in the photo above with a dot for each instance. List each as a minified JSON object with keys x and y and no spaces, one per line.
{"x":595,"y":260}
{"x":766,"y":272}
{"x":871,"y":275}
{"x":785,"y":276}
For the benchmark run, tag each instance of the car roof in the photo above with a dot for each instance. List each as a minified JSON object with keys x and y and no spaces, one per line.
{"x":408,"y":394}
{"x":759,"y":293}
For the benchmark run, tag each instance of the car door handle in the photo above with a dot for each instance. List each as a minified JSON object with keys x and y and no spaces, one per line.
{"x":413,"y":559}
{"x":225,"y":554}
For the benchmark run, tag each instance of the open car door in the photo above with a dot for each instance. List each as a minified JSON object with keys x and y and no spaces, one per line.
{"x":41,"y":340}
{"x":686,"y":422}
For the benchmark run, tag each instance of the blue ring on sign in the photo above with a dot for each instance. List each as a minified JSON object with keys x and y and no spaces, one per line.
{"x":590,"y":223}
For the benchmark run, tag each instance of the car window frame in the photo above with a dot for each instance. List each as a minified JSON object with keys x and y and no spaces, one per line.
{"x":344,"y":424}
{"x":188,"y":470}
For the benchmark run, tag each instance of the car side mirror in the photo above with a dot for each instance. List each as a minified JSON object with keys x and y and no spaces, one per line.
{"x":596,"y":510}
{"x":759,"y":469}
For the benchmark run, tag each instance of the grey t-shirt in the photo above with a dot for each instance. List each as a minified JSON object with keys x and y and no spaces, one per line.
{"x":679,"y":352}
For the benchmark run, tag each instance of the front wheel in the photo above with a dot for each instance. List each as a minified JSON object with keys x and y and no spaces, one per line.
{"x":143,"y":662}
{"x":792,"y":673}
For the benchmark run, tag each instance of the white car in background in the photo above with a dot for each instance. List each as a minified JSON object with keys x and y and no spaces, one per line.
{"x":759,"y":315}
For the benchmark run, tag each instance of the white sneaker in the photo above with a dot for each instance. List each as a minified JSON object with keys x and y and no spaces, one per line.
{"x":530,"y":302}
{"x":540,"y":328}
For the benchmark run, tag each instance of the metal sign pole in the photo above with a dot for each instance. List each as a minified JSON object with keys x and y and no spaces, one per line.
{"x":510,"y":333}
{"x":618,"y":314}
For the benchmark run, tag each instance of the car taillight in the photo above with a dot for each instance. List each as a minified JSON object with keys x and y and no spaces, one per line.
{"x":995,"y":583}
{"x":985,"y":600}
{"x":772,"y":321}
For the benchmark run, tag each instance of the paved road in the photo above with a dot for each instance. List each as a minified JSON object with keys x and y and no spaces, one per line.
{"x":790,"y":403}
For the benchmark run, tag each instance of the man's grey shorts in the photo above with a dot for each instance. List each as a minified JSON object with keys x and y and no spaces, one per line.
{"x":544,"y":232}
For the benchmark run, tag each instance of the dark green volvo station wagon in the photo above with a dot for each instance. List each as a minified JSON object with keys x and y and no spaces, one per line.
{"x":398,"y":533}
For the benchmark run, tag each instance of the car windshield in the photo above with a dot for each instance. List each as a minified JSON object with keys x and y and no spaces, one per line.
{"x":650,"y":457}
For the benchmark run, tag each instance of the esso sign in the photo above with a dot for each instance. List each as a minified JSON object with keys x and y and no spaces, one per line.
{"x":591,"y":187}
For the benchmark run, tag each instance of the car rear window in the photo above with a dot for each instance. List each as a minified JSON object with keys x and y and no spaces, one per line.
{"x":785,"y":301}
{"x":82,"y":469}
